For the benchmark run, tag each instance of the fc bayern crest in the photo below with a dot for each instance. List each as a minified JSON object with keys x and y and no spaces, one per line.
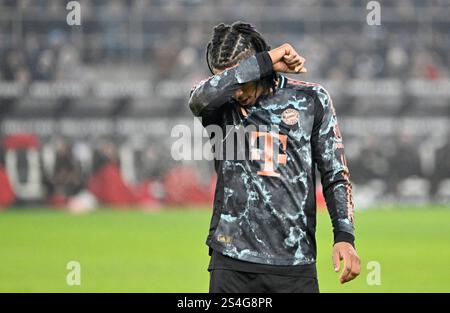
{"x":290,"y":116}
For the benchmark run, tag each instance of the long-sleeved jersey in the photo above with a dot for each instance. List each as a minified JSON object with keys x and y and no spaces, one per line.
{"x":265,"y":205}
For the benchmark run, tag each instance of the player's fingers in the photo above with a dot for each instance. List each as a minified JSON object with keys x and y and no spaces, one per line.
{"x":356,"y":268}
{"x":290,"y":59}
{"x":300,"y":69}
{"x":354,"y":272}
{"x":336,"y":261}
{"x":356,"y":265}
{"x":297,"y":60}
{"x":287,"y":60}
{"x":291,"y":70}
{"x":347,"y":269}
{"x":350,"y":277}
{"x":302,"y":61}
{"x":299,"y":63}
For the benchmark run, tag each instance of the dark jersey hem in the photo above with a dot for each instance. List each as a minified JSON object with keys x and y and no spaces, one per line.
{"x":220,"y":261}
{"x":259,"y":260}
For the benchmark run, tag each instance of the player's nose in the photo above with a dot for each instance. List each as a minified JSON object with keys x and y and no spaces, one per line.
{"x":238,"y":94}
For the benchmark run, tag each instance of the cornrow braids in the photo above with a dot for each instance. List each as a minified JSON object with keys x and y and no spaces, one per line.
{"x":232,"y":43}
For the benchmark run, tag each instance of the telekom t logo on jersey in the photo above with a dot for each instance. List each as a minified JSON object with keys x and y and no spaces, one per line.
{"x":267,"y":155}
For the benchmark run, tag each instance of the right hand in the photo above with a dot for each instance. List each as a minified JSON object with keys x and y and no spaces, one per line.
{"x":352,"y":263}
{"x":286,"y":60}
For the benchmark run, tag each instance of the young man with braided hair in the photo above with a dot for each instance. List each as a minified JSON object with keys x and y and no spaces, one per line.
{"x":262,"y":234}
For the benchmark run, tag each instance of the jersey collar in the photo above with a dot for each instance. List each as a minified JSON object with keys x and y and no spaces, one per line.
{"x":281,"y":81}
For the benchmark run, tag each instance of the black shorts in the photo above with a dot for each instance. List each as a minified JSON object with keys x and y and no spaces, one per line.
{"x":230,"y":281}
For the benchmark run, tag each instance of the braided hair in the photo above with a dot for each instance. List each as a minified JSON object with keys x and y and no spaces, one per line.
{"x":232,"y":43}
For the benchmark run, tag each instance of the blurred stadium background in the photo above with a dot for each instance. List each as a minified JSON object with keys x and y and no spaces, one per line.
{"x":86,"y":114}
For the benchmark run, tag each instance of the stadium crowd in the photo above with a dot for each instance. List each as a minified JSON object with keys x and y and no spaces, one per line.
{"x":163,"y":41}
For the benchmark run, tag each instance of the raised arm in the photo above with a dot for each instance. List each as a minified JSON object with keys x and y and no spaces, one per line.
{"x":211,"y":94}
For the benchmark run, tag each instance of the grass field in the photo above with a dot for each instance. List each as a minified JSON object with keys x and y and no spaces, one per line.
{"x":165,"y":252}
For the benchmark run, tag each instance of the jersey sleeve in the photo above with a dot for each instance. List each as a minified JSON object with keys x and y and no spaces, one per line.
{"x":209,"y":96}
{"x":328,"y":151}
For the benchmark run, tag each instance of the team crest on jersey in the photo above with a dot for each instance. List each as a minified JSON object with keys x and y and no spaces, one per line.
{"x":290,"y":116}
{"x":224,"y":238}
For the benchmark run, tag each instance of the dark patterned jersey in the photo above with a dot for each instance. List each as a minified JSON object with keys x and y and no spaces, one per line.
{"x":265,"y":203}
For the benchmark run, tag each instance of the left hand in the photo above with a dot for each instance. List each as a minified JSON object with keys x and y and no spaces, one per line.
{"x":352,"y":263}
{"x":286,"y":60}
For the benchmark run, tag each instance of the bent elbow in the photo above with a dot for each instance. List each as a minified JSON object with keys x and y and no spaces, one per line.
{"x":195,"y":105}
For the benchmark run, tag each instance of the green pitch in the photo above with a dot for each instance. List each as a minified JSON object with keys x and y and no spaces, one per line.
{"x":165,"y":252}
